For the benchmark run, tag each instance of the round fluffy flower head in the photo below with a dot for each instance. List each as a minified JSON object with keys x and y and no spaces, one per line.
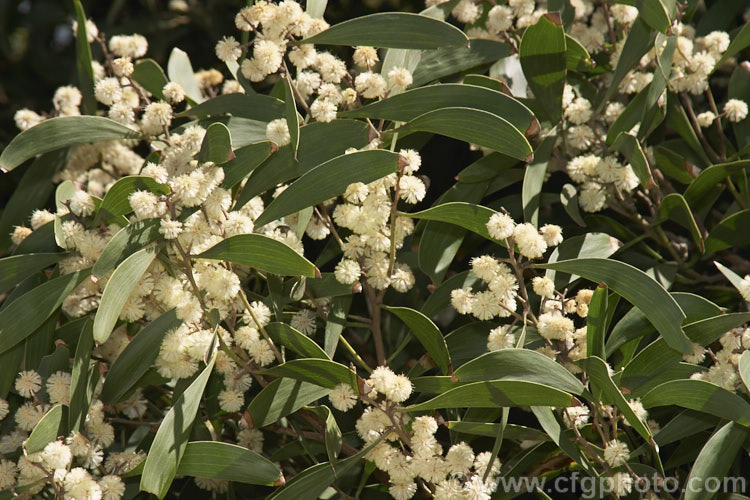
{"x":8,"y":472}
{"x":400,"y":389}
{"x":543,"y":286}
{"x":399,"y":78}
{"x":56,"y":455}
{"x":347,"y":272}
{"x":424,"y":426}
{"x":231,"y":400}
{"x":530,"y":243}
{"x":552,"y":234}
{"x":412,"y":189}
{"x":81,"y":203}
{"x":133,"y":46}
{"x":500,"y":18}
{"x":108,"y":91}
{"x":370,"y":85}
{"x":112,"y":487}
{"x":461,"y":300}
{"x":381,"y":379}
{"x":616,"y":453}
{"x":228,"y":49}
{"x":173,"y":92}
{"x":365,"y":57}
{"x":277,"y":131}
{"x":403,"y":490}
{"x":58,"y":388}
{"x":706,"y":119}
{"x":735,"y":110}
{"x":342,"y":397}
{"x":268,"y":56}
{"x":621,"y":483}
{"x":304,"y":321}
{"x":501,"y":226}
{"x":500,"y":338}
{"x":555,"y":327}
{"x":28,"y":383}
{"x":413,"y":160}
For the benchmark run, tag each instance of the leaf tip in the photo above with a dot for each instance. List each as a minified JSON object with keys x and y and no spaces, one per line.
{"x":554,"y":17}
{"x":529,"y":158}
{"x":281,"y":481}
{"x":316,"y":272}
{"x":533,"y":128}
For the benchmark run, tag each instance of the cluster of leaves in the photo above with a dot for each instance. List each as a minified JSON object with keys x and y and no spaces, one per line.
{"x":654,"y":359}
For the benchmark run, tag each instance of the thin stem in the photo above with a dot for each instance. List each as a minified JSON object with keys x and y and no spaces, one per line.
{"x":260,"y":326}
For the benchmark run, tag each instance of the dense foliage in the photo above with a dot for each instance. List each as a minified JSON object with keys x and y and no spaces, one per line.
{"x":276,"y":277}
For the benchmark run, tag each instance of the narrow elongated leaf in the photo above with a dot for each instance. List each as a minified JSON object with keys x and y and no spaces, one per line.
{"x":715,"y":459}
{"x":181,"y":71}
{"x":311,"y":482}
{"x":282,"y":397}
{"x":329,"y":180}
{"x":292,"y":117}
{"x":318,"y":143}
{"x":171,"y":437}
{"x":333,"y":438}
{"x":413,"y":103}
{"x":561,"y":437}
{"x":322,"y":372}
{"x":474,"y":126}
{"x":283,"y":334}
{"x":261,"y":252}
{"x":730,"y":232}
{"x":137,"y":357}
{"x":597,"y":370}
{"x":739,"y":88}
{"x":335,"y":322}
{"x":227,"y":462}
{"x":397,"y":30}
{"x":640,"y":39}
{"x":496,"y":394}
{"x":259,"y":107}
{"x":445,"y":61}
{"x":596,"y":322}
{"x":631,"y":148}
{"x":701,"y":396}
{"x":16,"y":268}
{"x":655,"y":14}
{"x":740,"y":42}
{"x":733,"y":277}
{"x":577,"y":58}
{"x":674,"y":207}
{"x":441,"y":298}
{"x":124,"y":243}
{"x":519,"y":364}
{"x":52,"y":425}
{"x":81,"y":375}
{"x":639,"y":289}
{"x":118,"y":289}
{"x":149,"y":75}
{"x":512,"y":431}
{"x":657,"y":357}
{"x":26,"y":313}
{"x":33,"y":190}
{"x":83,"y":62}
{"x":245,"y":161}
{"x":427,"y":333}
{"x":543,"y":61}
{"x":533,"y":180}
{"x":569,"y":200}
{"x":217,"y":144}
{"x":116,"y":202}
{"x":60,"y":132}
{"x":467,"y":215}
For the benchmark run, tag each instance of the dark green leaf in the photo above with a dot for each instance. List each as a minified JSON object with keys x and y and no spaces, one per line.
{"x":171,"y":438}
{"x":408,"y":105}
{"x":83,"y":62}
{"x":543,"y":60}
{"x":569,"y":200}
{"x":282,"y":397}
{"x":318,"y":143}
{"x":285,"y":335}
{"x":118,"y":289}
{"x":333,"y":438}
{"x":322,"y":372}
{"x":124,"y":243}
{"x":258,"y":107}
{"x":80,"y":387}
{"x":512,"y":431}
{"x":60,"y":132}
{"x":116,"y":202}
{"x":639,"y":289}
{"x":25,"y":314}
{"x":227,"y":462}
{"x":261,"y":252}
{"x":292,"y":117}
{"x":137,"y":357}
{"x":475,"y":126}
{"x":533,"y":179}
{"x":701,"y":396}
{"x":496,"y":394}
{"x":739,"y":43}
{"x":468,"y":216}
{"x":519,"y":364}
{"x":656,"y":14}
{"x":596,"y":322}
{"x":52,"y":425}
{"x":245,"y":161}
{"x":335,"y":322}
{"x":631,"y":148}
{"x":149,"y":75}
{"x":739,"y":88}
{"x":399,"y":30}
{"x":577,"y":58}
{"x":730,"y":232}
{"x":445,"y":61}
{"x":674,"y":207}
{"x":16,"y":268}
{"x":217,"y":144}
{"x":715,"y":459}
{"x":640,"y":39}
{"x":427,"y":333}
{"x":330,"y":180}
